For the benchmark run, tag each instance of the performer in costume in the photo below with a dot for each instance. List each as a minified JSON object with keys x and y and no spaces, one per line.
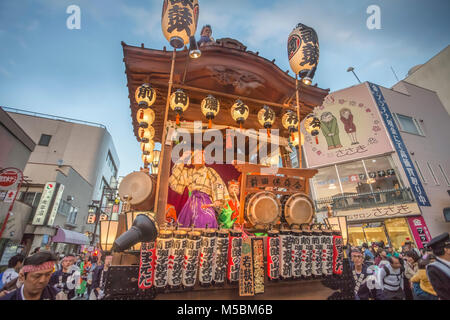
{"x":230,"y":213}
{"x":206,"y":190}
{"x":64,"y":279}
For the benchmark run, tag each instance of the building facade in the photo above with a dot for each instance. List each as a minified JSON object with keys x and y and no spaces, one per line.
{"x":72,"y":162}
{"x":367,"y":166}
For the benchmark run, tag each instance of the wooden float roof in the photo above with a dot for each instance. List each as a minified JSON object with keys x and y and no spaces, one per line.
{"x":227,"y":69}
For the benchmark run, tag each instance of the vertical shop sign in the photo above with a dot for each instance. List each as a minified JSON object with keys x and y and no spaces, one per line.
{"x":246,"y":277}
{"x":55,"y":206}
{"x":419,"y":230}
{"x":44,"y":204}
{"x":400,"y":147}
{"x":147,"y":265}
{"x":258,"y":264}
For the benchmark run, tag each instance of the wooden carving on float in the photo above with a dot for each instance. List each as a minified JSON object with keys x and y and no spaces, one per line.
{"x":243,"y":82}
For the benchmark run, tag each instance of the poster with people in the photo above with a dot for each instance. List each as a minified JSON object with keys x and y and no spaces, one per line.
{"x":350,"y":128}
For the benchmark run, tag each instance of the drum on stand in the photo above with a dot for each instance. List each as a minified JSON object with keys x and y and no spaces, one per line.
{"x":140,"y":188}
{"x":298,"y":209}
{"x":262,"y":209}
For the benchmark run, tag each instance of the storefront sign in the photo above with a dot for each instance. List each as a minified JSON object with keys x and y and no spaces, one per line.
{"x":44,"y":204}
{"x":55,"y":207}
{"x":410,"y":171}
{"x":384,"y":212}
{"x":291,"y":184}
{"x":419,"y":230}
{"x":246,"y":279}
{"x":351,"y":128}
{"x":10,"y":182}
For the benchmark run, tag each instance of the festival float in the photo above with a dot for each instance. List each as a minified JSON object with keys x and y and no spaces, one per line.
{"x":243,"y":226}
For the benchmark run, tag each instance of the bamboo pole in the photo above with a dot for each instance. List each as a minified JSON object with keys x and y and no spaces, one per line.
{"x":160,"y":217}
{"x":298,"y":116}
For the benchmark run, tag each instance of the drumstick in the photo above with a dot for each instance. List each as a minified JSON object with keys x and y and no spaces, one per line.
{"x":237,"y":201}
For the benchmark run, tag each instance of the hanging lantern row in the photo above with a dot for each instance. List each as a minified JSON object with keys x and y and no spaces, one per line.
{"x":312,"y":126}
{"x":179,"y":102}
{"x":145,"y":96}
{"x":303,"y":52}
{"x":179,"y":21}
{"x":147,"y":148}
{"x":266,"y":118}
{"x":290,"y":122}
{"x":210,"y":108}
{"x":239,"y":112}
{"x":294,"y":139}
{"x":145,"y":117}
{"x":146,"y":134}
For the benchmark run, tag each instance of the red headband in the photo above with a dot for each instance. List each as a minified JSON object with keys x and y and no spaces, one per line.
{"x":44,"y":266}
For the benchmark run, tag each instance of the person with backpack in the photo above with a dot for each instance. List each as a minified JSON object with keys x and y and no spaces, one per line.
{"x":422,"y":288}
{"x":369,"y":257}
{"x":391,"y":277}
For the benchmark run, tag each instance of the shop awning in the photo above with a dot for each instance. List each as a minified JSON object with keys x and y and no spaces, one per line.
{"x":67,"y":236}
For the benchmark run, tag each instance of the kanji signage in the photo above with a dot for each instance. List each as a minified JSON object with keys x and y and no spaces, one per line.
{"x":147,"y":265}
{"x":246,"y":278}
{"x":262,"y":181}
{"x":55,"y":206}
{"x":400,"y":147}
{"x":390,"y":211}
{"x":44,"y":204}
{"x":419,"y":230}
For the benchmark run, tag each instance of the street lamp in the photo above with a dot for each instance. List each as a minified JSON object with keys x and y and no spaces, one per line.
{"x":108,"y":232}
{"x":351,"y":69}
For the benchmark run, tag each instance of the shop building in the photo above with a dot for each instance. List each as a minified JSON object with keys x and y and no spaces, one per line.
{"x":15,"y":149}
{"x":72,"y":162}
{"x":366,"y":157}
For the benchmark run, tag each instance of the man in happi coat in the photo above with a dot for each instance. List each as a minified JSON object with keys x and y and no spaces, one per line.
{"x":35,"y":275}
{"x":206,"y":190}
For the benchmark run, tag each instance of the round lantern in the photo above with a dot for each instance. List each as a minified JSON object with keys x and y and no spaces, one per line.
{"x":303,"y":52}
{"x":145,"y":95}
{"x":290,"y":122}
{"x":266,"y":118}
{"x":312,"y":125}
{"x":239,"y":112}
{"x":147,"y":148}
{"x":294,"y":139}
{"x":179,"y":102}
{"x":210,"y":108}
{"x":146,"y":134}
{"x":179,"y":21}
{"x":145,"y":117}
{"x":147,"y":159}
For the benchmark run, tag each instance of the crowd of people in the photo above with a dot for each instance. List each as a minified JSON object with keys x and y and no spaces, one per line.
{"x":45,"y":275}
{"x":379,"y":272}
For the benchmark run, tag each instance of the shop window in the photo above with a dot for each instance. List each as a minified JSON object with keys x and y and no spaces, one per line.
{"x":44,"y":140}
{"x":356,"y":236}
{"x":432,"y":174}
{"x":374,"y":232}
{"x":326,"y":186}
{"x":409,"y":124}
{"x":398,"y":231}
{"x":420,"y":172}
{"x":444,"y":175}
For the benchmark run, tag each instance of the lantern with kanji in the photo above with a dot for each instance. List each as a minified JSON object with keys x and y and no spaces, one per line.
{"x":210,"y":108}
{"x":179,"y":21}
{"x":146,"y":134}
{"x":147,"y":148}
{"x":294,"y":139}
{"x":290,"y":122}
{"x":179,"y":102}
{"x":239,"y":112}
{"x":312,"y":126}
{"x":303,"y":52}
{"x":145,"y":117}
{"x":147,"y":159}
{"x":266,"y":118}
{"x":145,"y":95}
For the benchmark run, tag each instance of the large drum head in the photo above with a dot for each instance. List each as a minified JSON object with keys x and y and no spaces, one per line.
{"x":263,"y":208}
{"x":138,"y":185}
{"x":298,"y":209}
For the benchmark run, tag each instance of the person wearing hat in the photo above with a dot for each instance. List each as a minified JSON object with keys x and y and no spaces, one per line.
{"x":35,"y":275}
{"x":438,"y":272}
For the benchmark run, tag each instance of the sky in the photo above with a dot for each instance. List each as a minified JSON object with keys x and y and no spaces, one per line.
{"x":46,"y":67}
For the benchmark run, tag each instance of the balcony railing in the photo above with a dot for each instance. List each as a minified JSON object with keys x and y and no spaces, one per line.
{"x":365,"y":200}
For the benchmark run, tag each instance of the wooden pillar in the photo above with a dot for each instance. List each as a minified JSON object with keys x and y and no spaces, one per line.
{"x":164,"y":185}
